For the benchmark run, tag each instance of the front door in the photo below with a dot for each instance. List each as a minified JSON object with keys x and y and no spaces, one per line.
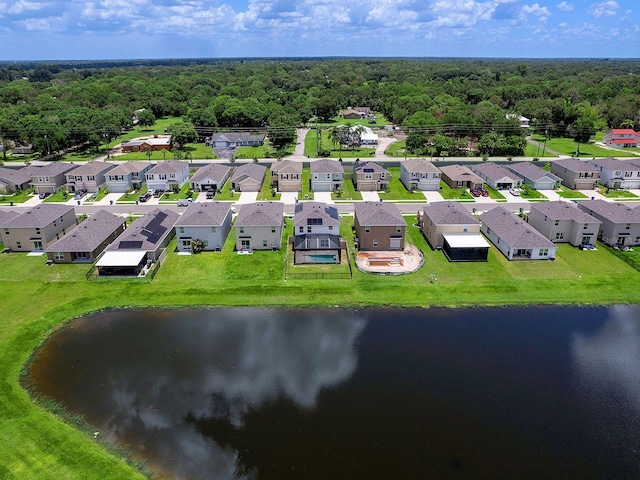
{"x":586,"y":240}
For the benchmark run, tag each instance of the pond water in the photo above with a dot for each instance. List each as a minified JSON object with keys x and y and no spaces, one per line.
{"x":542,"y":392}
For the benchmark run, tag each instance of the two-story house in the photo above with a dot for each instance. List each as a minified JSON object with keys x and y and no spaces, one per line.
{"x":286,"y":176}
{"x":89,"y":176}
{"x":420,"y":174}
{"x":564,"y":222}
{"x":316,"y":233}
{"x":370,"y":176}
{"x":127,"y":176}
{"x":203,"y":226}
{"x":379,"y":226}
{"x":259,"y":226}
{"x":326,"y":175}
{"x":620,"y":223}
{"x":622,"y":138}
{"x":167,"y":175}
{"x":575,"y":173}
{"x":50,"y":178}
{"x":38,"y":227}
{"x":617,"y":174}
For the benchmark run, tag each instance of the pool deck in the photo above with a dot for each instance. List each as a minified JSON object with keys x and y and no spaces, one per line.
{"x":391,"y":262}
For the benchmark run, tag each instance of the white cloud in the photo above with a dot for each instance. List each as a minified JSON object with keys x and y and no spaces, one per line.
{"x":562,"y":25}
{"x":565,"y":7}
{"x":604,"y":9}
{"x":24,"y":6}
{"x":542,"y":13}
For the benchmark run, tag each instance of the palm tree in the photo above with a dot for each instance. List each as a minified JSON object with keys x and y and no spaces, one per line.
{"x":628,"y":123}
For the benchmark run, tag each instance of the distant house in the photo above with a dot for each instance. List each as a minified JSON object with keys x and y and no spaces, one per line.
{"x":516,"y":239}
{"x":210,"y":177}
{"x":620,"y":224}
{"x":286,"y":176}
{"x":248,"y":177}
{"x":622,"y":138}
{"x":85,"y":242}
{"x":167,"y":175}
{"x":236,"y":139}
{"x":524,"y":121}
{"x":316,"y":233}
{"x":50,"y":178}
{"x":496,"y":176}
{"x":147,"y":145}
{"x":575,"y":173}
{"x":142,"y":243}
{"x":379,"y":226}
{"x":459,"y":176}
{"x":38,"y":227}
{"x":22,"y":149}
{"x":326,"y":175}
{"x":367,"y":136}
{"x":616,"y":173}
{"x":351,"y":114}
{"x":128,"y":175}
{"x":259,"y":226}
{"x":534,"y":176}
{"x":206,"y":224}
{"x":370,"y":176}
{"x":449,"y":226}
{"x":564,"y":222}
{"x":89,"y":176}
{"x":15,"y":179}
{"x":420,"y":174}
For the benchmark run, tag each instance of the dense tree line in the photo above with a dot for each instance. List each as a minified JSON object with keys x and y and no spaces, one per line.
{"x":54,"y":106}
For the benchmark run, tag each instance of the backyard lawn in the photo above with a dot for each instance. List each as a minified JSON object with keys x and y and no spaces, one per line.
{"x":266,"y":192}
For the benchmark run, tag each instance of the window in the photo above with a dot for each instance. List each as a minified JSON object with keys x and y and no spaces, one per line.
{"x":367,"y":229}
{"x":585,"y":226}
{"x":628,"y":226}
{"x":91,"y":178}
{"x":301,"y":229}
{"x":18,"y":245}
{"x":324,"y":243}
{"x":368,"y":176}
{"x":398,"y":229}
{"x":488,"y":231}
{"x":544,"y":252}
{"x":241,"y":229}
{"x":465,"y":228}
{"x":330,"y":227}
{"x":273,"y":229}
{"x":264,"y":243}
{"x":557,"y":222}
{"x":186,"y":243}
{"x":383,"y":175}
{"x":628,"y":174}
{"x":181,"y":229}
{"x":375,"y":243}
{"x":173,"y":175}
{"x":213,"y":229}
{"x":559,"y":236}
{"x":58,"y":255}
{"x":309,"y":229}
{"x":6,"y":231}
{"x":163,"y":176}
{"x":37,"y":230}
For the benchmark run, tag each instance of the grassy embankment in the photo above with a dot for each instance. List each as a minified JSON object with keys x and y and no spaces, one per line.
{"x":36,"y":445}
{"x":569,"y":147}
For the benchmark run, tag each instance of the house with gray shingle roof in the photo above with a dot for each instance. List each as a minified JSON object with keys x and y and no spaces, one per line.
{"x":420,"y":174}
{"x":370,"y":176}
{"x":259,"y":226}
{"x":204,"y":226}
{"x":210,"y":177}
{"x":50,"y":178}
{"x":616,"y":173}
{"x":316,"y":228}
{"x":126,"y":176}
{"x":534,"y":176}
{"x":236,"y":139}
{"x":620,"y":223}
{"x":379,"y":226}
{"x":460,"y":176}
{"x":515,"y":238}
{"x":496,"y":176}
{"x":38,"y":227}
{"x":85,"y":242}
{"x":575,"y":173}
{"x":248,"y":177}
{"x":564,"y":222}
{"x":88,"y":176}
{"x":326,"y":175}
{"x":15,"y":179}
{"x":167,"y":175}
{"x":286,"y":176}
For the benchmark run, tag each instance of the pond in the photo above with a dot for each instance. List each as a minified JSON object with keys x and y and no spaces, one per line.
{"x":539,"y":392}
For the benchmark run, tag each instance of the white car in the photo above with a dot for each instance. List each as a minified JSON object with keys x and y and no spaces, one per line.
{"x":515,"y":192}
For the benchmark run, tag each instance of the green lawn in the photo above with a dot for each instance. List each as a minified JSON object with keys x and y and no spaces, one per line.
{"x":310,"y":147}
{"x":380,"y":122}
{"x":449,"y":193}
{"x":183,"y":194}
{"x":96,"y":197}
{"x":566,"y":192}
{"x":396,"y":149}
{"x":306,"y":193}
{"x":529,"y":193}
{"x":19,"y":197}
{"x":225,"y":192}
{"x":265,"y":192}
{"x":133,"y":196}
{"x":611,"y":193}
{"x":534,"y":151}
{"x":568,"y":146}
{"x":194,"y":151}
{"x":397,"y":190}
{"x":61,"y":196}
{"x":349,"y":192}
{"x":494,"y":194}
{"x":37,"y":446}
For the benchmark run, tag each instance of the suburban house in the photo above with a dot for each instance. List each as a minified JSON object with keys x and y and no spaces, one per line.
{"x":259,"y":226}
{"x":15,"y":179}
{"x":50,"y":178}
{"x":419,"y":174}
{"x":617,"y":174}
{"x":460,"y":176}
{"x":515,"y":238}
{"x":534,"y":176}
{"x":316,"y":228}
{"x":575,"y":173}
{"x":379,"y":226}
{"x":89,"y":176}
{"x":6,"y":215}
{"x":497,"y":177}
{"x":38,"y":227}
{"x":203,"y":226}
{"x":370,"y":176}
{"x":127,"y":176}
{"x":326,"y":175}
{"x":449,"y":226}
{"x":352,"y":114}
{"x":147,"y":145}
{"x":139,"y":245}
{"x":622,"y":138}
{"x":167,"y":175}
{"x":564,"y":222}
{"x":367,"y":136}
{"x":210,"y":177}
{"x":85,"y":242}
{"x":620,"y":224}
{"x":248,"y":177}
{"x":286,"y":176}
{"x":523,"y":121}
{"x":236,"y":139}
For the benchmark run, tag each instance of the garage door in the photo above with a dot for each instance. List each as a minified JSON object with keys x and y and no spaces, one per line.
{"x":394,"y":243}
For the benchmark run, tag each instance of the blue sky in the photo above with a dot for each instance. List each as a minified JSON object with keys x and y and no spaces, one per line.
{"x":125,"y":29}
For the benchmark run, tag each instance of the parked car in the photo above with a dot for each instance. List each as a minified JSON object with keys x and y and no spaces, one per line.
{"x":185,"y":203}
{"x":475,"y":192}
{"x":515,"y":192}
{"x":79,"y":194}
{"x":210,"y":194}
{"x":145,"y":196}
{"x":43,"y":195}
{"x":484,"y":192}
{"x":158,"y":193}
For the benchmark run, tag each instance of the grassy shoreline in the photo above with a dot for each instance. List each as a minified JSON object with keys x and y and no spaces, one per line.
{"x":35,"y":444}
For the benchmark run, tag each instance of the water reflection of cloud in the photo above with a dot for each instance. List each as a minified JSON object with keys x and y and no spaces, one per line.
{"x":609,"y":361}
{"x":221,"y":369}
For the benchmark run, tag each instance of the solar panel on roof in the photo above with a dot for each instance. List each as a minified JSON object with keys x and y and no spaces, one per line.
{"x":159,"y":218}
{"x":146,"y":232}
{"x":130,"y":244}
{"x":153,"y":238}
{"x":368,"y":170}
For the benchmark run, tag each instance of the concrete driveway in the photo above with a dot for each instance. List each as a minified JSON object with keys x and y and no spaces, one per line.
{"x":247,"y":197}
{"x":289,"y":198}
{"x":323,"y":197}
{"x":370,"y":196}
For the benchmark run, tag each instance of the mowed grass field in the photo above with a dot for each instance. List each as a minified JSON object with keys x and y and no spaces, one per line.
{"x":36,"y":299}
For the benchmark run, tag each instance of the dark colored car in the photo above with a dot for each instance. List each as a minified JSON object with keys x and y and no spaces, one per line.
{"x":145,"y":196}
